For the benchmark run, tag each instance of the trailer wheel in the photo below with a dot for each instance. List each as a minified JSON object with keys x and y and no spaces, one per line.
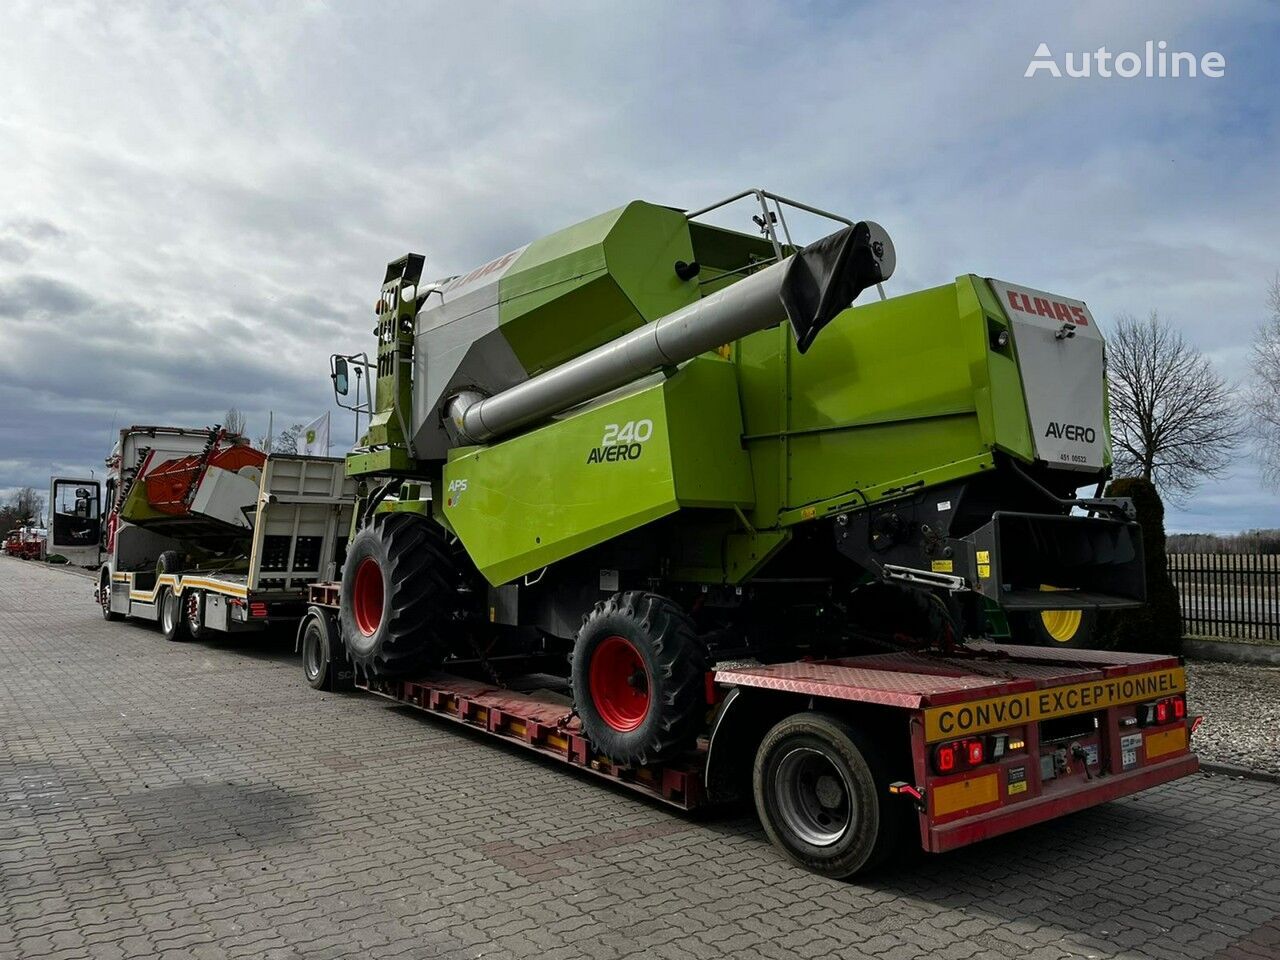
{"x":638,"y":673}
{"x":193,"y":610}
{"x":323,"y":655}
{"x":400,"y":596}
{"x":169,"y":561}
{"x":820,"y":789}
{"x":173,"y":622}
{"x":104,"y":597}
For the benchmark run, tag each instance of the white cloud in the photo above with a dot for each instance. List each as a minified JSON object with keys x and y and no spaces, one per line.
{"x":198,"y":200}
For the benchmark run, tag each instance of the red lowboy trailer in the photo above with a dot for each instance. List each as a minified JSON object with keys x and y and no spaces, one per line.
{"x":845,"y":759}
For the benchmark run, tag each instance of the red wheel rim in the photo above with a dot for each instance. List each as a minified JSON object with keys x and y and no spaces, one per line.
{"x":619,"y":684}
{"x":366,"y":596}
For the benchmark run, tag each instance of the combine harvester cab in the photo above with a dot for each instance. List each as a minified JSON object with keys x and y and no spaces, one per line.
{"x":654,"y":496}
{"x":220,"y":540}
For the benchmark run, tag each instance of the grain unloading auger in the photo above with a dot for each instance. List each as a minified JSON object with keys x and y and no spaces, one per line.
{"x":617,"y":440}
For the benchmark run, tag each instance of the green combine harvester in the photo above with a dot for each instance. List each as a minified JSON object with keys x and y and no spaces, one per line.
{"x":658,"y":444}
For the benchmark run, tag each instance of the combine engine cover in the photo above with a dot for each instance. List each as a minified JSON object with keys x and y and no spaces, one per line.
{"x":1061,"y":354}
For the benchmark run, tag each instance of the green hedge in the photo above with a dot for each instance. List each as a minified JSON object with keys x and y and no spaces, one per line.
{"x":1157,"y":627}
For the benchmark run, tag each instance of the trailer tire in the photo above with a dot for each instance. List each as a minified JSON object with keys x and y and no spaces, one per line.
{"x":173,"y":622}
{"x":399,"y":596}
{"x":820,"y":789}
{"x":193,"y":613}
{"x":323,"y":655}
{"x":169,"y":561}
{"x":104,"y":596}
{"x":638,"y":676}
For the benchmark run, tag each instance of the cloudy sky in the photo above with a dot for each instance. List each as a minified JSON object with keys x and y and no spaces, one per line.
{"x":197,"y":200}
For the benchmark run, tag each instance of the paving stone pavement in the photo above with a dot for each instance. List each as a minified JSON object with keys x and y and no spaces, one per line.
{"x":199,"y":801}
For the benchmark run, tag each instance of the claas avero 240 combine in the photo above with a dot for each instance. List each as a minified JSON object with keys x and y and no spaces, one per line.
{"x":675,"y":459}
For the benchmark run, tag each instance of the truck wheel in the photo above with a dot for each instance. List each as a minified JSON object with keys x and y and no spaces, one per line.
{"x":173,"y":623}
{"x":104,"y":597}
{"x":169,"y":561}
{"x":193,"y":610}
{"x":1072,"y":629}
{"x":820,"y":790}
{"x":638,"y":678}
{"x":399,"y":596}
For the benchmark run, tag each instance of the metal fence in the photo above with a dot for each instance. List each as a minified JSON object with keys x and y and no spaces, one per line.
{"x":1228,"y":594}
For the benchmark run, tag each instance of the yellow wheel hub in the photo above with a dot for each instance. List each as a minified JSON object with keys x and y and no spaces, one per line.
{"x":1062,"y":625}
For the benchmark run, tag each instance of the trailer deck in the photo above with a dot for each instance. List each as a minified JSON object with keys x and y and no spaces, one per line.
{"x":1061,"y":730}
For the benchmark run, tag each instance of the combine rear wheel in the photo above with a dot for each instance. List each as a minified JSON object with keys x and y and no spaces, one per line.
{"x":1073,"y":629}
{"x":402,"y":605}
{"x":821,"y":791}
{"x":638,"y":678}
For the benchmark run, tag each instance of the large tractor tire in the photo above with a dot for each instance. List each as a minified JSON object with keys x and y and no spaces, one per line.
{"x":638,"y":675}
{"x":821,"y":790}
{"x":1070,"y":629}
{"x":400,"y":602}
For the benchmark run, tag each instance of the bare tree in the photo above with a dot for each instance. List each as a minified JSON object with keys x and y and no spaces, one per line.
{"x":1264,"y":391}
{"x":286,"y":441}
{"x":233,"y":421}
{"x":27,"y":505}
{"x":1173,"y":419}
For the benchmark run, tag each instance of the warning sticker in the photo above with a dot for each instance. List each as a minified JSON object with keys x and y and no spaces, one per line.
{"x":1016,"y":780}
{"x":943,"y":566}
{"x":979,"y":716}
{"x":1129,"y":747}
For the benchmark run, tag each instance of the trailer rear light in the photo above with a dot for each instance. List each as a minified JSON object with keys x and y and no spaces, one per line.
{"x":959,"y":755}
{"x":974,"y":752}
{"x":944,"y":758}
{"x":257,"y":609}
{"x":1158,"y":712}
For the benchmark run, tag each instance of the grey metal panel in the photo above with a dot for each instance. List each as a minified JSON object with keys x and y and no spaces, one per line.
{"x":1060,"y":353}
{"x":458,"y":344}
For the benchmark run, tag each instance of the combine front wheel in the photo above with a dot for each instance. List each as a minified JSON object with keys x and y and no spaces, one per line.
{"x":637,"y":674}
{"x":400,"y":598}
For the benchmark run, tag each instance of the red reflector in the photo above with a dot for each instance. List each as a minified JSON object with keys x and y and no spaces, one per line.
{"x":1162,"y":711}
{"x":975,"y":752}
{"x":1179,"y":708}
